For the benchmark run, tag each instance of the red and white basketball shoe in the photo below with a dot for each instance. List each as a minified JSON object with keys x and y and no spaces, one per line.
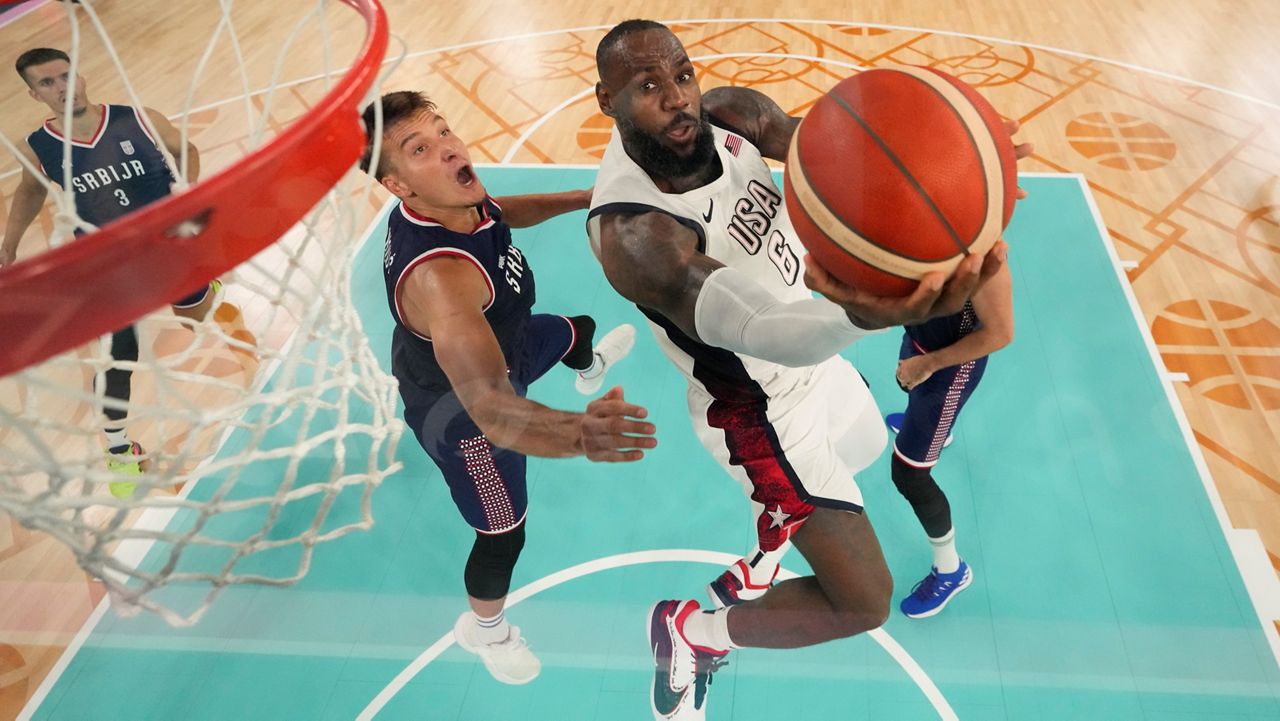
{"x":683,"y":672}
{"x":737,"y":584}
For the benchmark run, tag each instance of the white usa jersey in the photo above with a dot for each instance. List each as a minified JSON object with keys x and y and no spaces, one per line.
{"x":740,"y":220}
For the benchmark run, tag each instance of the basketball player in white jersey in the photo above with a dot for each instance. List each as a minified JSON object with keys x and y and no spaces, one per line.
{"x":688,"y":224}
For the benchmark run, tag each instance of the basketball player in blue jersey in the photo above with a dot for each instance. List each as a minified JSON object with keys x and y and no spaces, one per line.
{"x":116,"y":168}
{"x":940,"y":364}
{"x":688,"y":224}
{"x":466,"y":346}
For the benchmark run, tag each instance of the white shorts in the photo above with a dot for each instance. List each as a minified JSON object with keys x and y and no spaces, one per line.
{"x":799,"y":449}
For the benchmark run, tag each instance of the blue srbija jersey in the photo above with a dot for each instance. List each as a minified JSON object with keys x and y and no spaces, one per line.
{"x":117,"y":171}
{"x":413,"y":239}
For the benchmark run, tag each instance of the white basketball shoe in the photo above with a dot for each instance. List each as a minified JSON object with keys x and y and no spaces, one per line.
{"x":508,"y":661}
{"x":613,"y":347}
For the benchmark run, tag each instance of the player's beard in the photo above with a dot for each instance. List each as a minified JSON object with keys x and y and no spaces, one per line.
{"x":658,"y":160}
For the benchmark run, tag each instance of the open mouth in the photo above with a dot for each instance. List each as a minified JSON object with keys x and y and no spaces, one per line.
{"x":683,"y":132}
{"x":466,"y":176}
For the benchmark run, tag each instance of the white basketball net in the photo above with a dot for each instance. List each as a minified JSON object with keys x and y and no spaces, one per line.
{"x":267,"y":426}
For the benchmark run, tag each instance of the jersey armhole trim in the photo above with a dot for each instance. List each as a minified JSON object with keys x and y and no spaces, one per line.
{"x":458,"y":253}
{"x":640,"y":208}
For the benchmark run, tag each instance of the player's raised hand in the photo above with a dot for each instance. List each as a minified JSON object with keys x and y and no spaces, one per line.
{"x":935,"y":295}
{"x":614,"y":431}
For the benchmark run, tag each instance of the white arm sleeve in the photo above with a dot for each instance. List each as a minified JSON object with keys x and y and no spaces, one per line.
{"x":736,"y":313}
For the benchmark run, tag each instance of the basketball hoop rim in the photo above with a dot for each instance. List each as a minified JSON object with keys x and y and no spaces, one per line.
{"x":67,"y":296}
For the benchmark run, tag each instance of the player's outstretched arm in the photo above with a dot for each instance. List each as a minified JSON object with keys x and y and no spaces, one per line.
{"x":654,"y":262}
{"x":993,"y":303}
{"x":28,"y":198}
{"x":754,"y":114}
{"x":522,"y":211}
{"x":172,"y":139}
{"x":443,"y":299}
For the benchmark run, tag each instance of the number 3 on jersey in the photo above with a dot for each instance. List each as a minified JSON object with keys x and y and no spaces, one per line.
{"x":121,"y":197}
{"x":783,"y":257}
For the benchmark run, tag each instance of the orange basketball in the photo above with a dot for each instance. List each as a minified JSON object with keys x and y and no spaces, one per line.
{"x":898,"y":172}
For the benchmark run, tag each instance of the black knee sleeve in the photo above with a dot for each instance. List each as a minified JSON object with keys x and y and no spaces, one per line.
{"x":124,"y":347}
{"x":493,"y":558}
{"x":926,"y":498}
{"x":579,"y":356}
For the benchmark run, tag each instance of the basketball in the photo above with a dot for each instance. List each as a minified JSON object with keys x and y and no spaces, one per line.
{"x":897,"y":172}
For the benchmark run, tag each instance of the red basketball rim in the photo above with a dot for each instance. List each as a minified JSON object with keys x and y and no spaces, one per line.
{"x":97,"y":284}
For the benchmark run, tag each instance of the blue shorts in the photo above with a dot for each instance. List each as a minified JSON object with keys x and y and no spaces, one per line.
{"x":932,"y":408}
{"x":194,"y":299}
{"x":487,"y":483}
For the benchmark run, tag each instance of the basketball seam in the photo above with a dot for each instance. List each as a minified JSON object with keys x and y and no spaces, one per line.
{"x":813,"y":189}
{"x":902,"y":168}
{"x":809,"y":198}
{"x":983,"y":160}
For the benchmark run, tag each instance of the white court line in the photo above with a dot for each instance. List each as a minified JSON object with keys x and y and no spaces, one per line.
{"x":622,"y":560}
{"x":132,"y":552}
{"x":1254,"y":577}
{"x":520,"y":141}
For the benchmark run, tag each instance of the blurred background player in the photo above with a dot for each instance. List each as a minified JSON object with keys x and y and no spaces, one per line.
{"x":940,"y":364}
{"x":116,"y":168}
{"x":466,"y":346}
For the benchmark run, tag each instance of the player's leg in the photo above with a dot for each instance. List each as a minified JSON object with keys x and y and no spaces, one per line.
{"x":782,"y":452}
{"x":853,"y":419}
{"x":932,"y":408}
{"x":555,"y":338}
{"x":124,"y":456}
{"x":488,"y":487}
{"x":196,"y":306}
{"x":848,"y":594}
{"x":751,"y":576}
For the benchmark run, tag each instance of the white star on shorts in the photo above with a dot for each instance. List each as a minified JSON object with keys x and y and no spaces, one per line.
{"x":778,"y":517}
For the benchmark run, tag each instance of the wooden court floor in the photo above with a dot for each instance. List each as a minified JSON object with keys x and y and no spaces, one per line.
{"x":1183,"y":162}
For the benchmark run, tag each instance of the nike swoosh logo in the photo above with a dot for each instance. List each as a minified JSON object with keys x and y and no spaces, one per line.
{"x":707,"y":215}
{"x":665,"y":701}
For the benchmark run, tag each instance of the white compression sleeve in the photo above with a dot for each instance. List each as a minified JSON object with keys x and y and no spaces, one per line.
{"x":736,"y":313}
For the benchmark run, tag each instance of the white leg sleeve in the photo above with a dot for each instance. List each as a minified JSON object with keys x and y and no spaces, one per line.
{"x":736,"y":313}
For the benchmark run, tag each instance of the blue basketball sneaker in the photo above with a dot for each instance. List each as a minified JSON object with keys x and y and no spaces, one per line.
{"x":932,"y":594}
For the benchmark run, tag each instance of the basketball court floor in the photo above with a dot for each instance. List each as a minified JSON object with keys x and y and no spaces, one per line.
{"x":1113,"y":480}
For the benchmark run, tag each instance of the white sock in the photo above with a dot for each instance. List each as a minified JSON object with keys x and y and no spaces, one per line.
{"x":764,"y":564}
{"x":492,"y":630}
{"x":116,"y":437}
{"x":596,"y":368}
{"x":709,"y":629}
{"x":945,"y":558}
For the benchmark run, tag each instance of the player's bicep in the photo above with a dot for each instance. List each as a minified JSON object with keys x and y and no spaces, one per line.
{"x":469,"y":354}
{"x":654,"y":261}
{"x":444,"y":299}
{"x":31,"y":185}
{"x":169,"y":135}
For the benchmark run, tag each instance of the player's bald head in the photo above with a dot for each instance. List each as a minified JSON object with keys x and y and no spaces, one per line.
{"x":611,"y":55}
